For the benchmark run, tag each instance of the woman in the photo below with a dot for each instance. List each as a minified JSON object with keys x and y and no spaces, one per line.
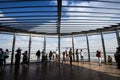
{"x":99,"y":57}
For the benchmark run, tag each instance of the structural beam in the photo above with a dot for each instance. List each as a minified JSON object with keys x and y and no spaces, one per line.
{"x":59,"y":3}
{"x":45,"y":43}
{"x":29,"y":50}
{"x":73,"y":48}
{"x":118,"y":37}
{"x":103,"y":45}
{"x":88,"y":47}
{"x":13,"y":48}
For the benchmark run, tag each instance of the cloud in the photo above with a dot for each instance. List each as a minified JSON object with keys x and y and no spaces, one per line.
{"x":83,"y":3}
{"x":2,"y":15}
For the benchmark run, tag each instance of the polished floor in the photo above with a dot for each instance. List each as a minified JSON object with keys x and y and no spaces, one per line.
{"x":62,"y":71}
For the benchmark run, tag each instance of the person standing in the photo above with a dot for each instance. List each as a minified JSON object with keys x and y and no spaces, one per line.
{"x":50,"y":55}
{"x":117,"y":57}
{"x":57,"y":55}
{"x":64,"y":56}
{"x":17,"y":57}
{"x":70,"y":55}
{"x":6,"y":55}
{"x":77,"y":57}
{"x":1,"y":57}
{"x":82,"y":55}
{"x":43,"y":56}
{"x":67,"y":54}
{"x":25,"y":59}
{"x":99,"y":57}
{"x":38,"y":55}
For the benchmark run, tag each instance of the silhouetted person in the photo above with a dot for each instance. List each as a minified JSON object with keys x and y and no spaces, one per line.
{"x":109,"y":59}
{"x":6,"y":53}
{"x":17,"y":57}
{"x":1,"y":58}
{"x":43,"y":56}
{"x":77,"y":57}
{"x":64,"y":56}
{"x":38,"y":55}
{"x":117,"y":57}
{"x":25,"y":59}
{"x":57,"y":55}
{"x":50,"y":55}
{"x":99,"y":56}
{"x":67,"y":54}
{"x":82,"y":55}
{"x":70,"y":55}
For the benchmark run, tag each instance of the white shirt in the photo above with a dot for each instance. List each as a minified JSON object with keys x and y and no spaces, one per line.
{"x":57,"y":52}
{"x":82,"y":53}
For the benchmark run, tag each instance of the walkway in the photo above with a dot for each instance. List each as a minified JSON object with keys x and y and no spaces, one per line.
{"x":54,"y":71}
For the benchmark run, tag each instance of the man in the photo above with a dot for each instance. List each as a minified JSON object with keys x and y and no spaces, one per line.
{"x":38,"y":55}
{"x":70,"y":55}
{"x":99,"y":57}
{"x":82,"y":55}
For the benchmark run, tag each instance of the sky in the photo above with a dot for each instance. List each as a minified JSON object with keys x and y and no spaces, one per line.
{"x":52,"y":43}
{"x":42,"y":26}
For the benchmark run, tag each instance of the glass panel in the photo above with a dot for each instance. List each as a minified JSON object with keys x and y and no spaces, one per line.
{"x":6,"y":43}
{"x":37,"y":44}
{"x":95,"y":44}
{"x":21,"y":42}
{"x":80,"y":43}
{"x":66,"y":43}
{"x":110,"y":44}
{"x":51,"y":45}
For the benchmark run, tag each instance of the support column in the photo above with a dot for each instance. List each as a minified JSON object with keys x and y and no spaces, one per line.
{"x":88,"y":47}
{"x":118,"y":37}
{"x":13,"y":48}
{"x":73,"y":48}
{"x":59,"y":46}
{"x":103,"y":45}
{"x":29,"y":50}
{"x":45,"y":43}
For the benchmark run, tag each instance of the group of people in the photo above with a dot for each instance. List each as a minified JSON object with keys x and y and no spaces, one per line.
{"x":3,"y":56}
{"x":68,"y":55}
{"x":25,"y":58}
{"x":44,"y":56}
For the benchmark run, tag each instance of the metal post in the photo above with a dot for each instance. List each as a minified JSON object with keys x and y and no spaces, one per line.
{"x":73,"y":48}
{"x":29,"y":50}
{"x":45,"y":43}
{"x":59,"y":46}
{"x":118,"y":37}
{"x":88,"y":47}
{"x":13,"y":48}
{"x":103,"y":44}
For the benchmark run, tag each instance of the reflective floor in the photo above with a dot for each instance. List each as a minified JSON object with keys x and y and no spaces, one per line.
{"x":54,"y":71}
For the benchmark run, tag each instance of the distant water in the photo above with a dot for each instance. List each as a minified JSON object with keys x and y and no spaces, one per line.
{"x":92,"y":57}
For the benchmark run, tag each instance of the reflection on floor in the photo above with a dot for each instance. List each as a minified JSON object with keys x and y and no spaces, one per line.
{"x":62,"y":71}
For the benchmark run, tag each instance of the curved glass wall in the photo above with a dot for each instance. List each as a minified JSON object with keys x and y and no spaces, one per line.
{"x":66,"y":43}
{"x":95,"y":44}
{"x":37,"y":43}
{"x":21,"y":42}
{"x":51,"y":45}
{"x":6,"y":41}
{"x":80,"y":43}
{"x":110,"y":44}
